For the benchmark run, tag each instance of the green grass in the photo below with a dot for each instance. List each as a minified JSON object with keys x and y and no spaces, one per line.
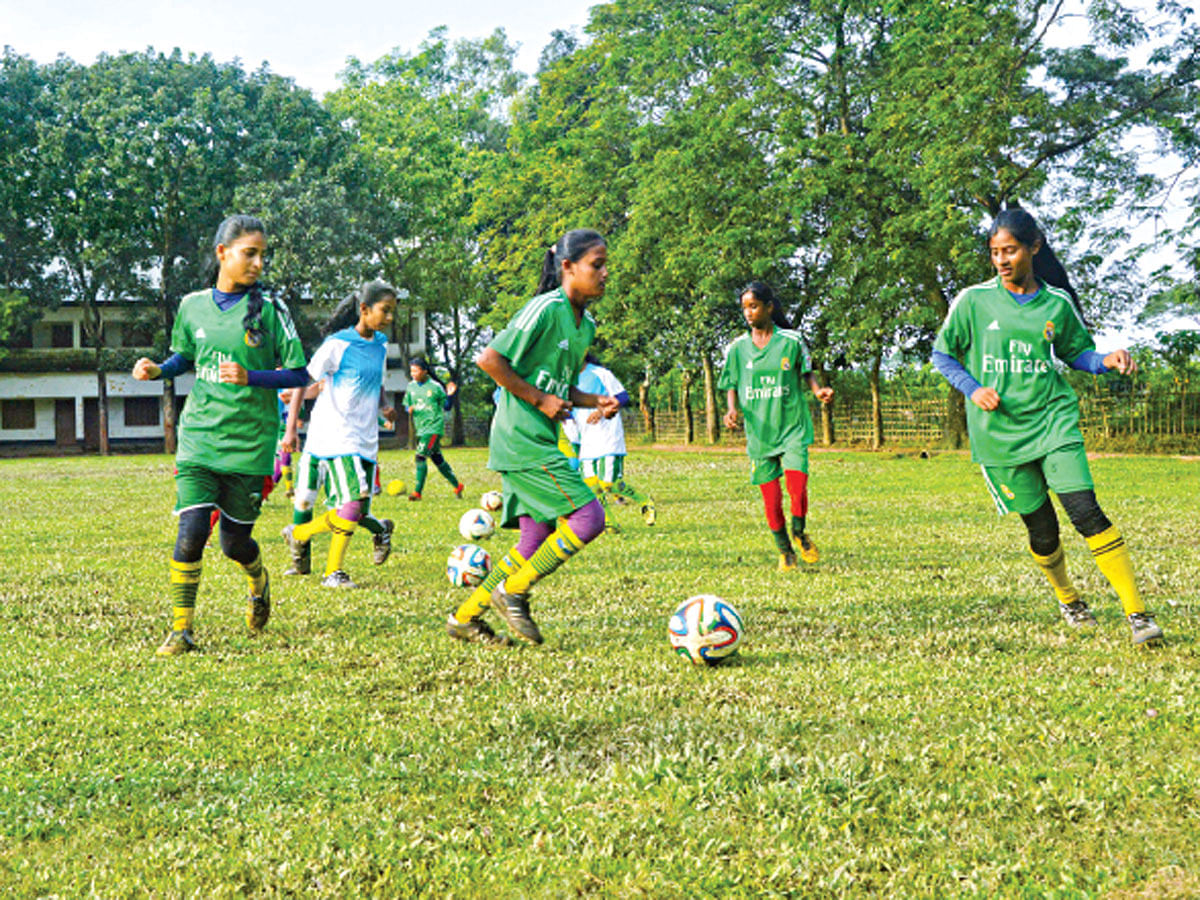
{"x":908,"y":718}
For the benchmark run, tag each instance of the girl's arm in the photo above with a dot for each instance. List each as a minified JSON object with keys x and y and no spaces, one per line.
{"x":731,"y":408}
{"x":291,"y":439}
{"x":956,"y":373}
{"x":608,"y":406}
{"x":275,"y":379}
{"x":385,"y":409}
{"x":146,"y":369}
{"x":501,"y":371}
{"x":1092,"y":361}
{"x":824,"y":394}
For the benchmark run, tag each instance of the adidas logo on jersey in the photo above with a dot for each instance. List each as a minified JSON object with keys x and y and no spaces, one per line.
{"x":564,"y":344}
{"x":200,"y":333}
{"x":995,"y":326}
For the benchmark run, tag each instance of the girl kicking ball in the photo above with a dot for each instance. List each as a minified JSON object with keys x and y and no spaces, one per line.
{"x":998,"y":346}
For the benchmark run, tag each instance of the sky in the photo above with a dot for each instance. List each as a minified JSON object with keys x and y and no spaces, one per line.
{"x":305,"y":40}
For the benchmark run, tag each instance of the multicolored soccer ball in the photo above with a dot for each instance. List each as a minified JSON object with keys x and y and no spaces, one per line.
{"x":492,"y":501}
{"x":705,"y":629}
{"x":468,"y":565}
{"x":476,"y":524}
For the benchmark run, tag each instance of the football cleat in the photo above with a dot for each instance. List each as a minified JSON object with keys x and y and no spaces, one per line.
{"x":1077,"y":614}
{"x":808,"y":550}
{"x":383,"y":542}
{"x":177,"y":643}
{"x":458,"y":491}
{"x":1144,"y":628}
{"x":610,"y":526}
{"x":787,"y":562}
{"x":648,"y":515}
{"x":258,"y":609}
{"x":337,"y":579}
{"x":474,"y":631}
{"x":301,"y":553}
{"x":514,"y":609}
{"x":415,"y":495}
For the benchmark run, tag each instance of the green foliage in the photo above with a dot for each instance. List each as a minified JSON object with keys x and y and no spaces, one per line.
{"x":908,"y":718}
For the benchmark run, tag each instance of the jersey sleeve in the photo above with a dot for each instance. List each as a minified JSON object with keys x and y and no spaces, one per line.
{"x":612,"y":384}
{"x":287,"y":340}
{"x":520,"y":334}
{"x":590,"y":381}
{"x":327,"y":359}
{"x":728,"y":380}
{"x":181,"y":335}
{"x":1073,"y":339}
{"x":954,"y":337}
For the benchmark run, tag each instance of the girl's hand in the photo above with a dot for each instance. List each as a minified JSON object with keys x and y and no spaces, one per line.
{"x":824,"y":394}
{"x":731,"y":419}
{"x":986,"y":398}
{"x":1122,"y":361}
{"x":146,"y":369}
{"x":231,"y":373}
{"x":608,"y":406}
{"x":594,"y":417}
{"x":389,"y":415}
{"x":553,"y":406}
{"x":290,"y":443}
{"x":451,"y":388}
{"x":285,"y":396}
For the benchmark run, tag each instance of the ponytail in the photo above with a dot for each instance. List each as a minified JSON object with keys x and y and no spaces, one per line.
{"x":346,"y":313}
{"x":252,"y":321}
{"x":762,"y":291}
{"x":571,"y":246}
{"x":1046,"y":266}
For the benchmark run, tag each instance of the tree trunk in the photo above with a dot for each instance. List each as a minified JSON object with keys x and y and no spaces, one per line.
{"x":644,"y":403}
{"x":876,"y":404}
{"x":712,"y":422}
{"x":102,"y":404}
{"x":828,"y":432}
{"x":685,"y":401}
{"x":954,"y":428}
{"x":164,"y":305}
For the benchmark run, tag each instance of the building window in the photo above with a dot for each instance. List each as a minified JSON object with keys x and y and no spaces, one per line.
{"x":17,"y":414}
{"x":141,"y":411}
{"x":62,"y":335}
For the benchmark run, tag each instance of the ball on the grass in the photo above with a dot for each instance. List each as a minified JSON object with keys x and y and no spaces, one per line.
{"x":492,"y":501}
{"x":705,"y":629}
{"x":396,"y":487}
{"x":476,"y":524}
{"x":468,"y":565}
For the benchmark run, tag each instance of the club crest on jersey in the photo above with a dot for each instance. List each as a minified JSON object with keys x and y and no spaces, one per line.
{"x":1007,"y":492}
{"x":785,"y":364}
{"x":253,"y":338}
{"x":1048,"y":332}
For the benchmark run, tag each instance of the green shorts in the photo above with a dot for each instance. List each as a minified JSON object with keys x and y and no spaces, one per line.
{"x":544,"y":493}
{"x":609,"y":469}
{"x":239,"y":497}
{"x":344,"y":478}
{"x":768,"y":468}
{"x":1023,"y":489}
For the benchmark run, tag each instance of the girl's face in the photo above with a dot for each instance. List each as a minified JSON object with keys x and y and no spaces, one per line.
{"x":584,"y":279}
{"x":1012,"y":260}
{"x":756,"y":313}
{"x":417,"y":374}
{"x":242,"y":259}
{"x":379,"y":315}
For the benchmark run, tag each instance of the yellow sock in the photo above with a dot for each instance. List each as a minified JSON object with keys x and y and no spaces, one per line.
{"x":481,"y":597}
{"x":318,"y":525}
{"x":1112,"y":558}
{"x":1054,"y":567}
{"x":185,"y":583}
{"x":560,"y":546}
{"x":255,"y":575}
{"x":593,"y":481}
{"x":342,"y":530}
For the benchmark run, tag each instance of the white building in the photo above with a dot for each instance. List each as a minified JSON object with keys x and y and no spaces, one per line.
{"x":49,"y":389}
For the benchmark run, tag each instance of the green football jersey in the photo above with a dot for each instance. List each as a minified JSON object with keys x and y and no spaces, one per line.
{"x":546,"y":348}
{"x":231,"y":427}
{"x":427,"y":400}
{"x":771,"y":391}
{"x":1007,"y":346}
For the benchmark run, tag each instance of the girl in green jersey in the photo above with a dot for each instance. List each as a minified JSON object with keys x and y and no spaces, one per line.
{"x":244,"y":348}
{"x":998,"y":346}
{"x":766,"y":373}
{"x":536,"y":360}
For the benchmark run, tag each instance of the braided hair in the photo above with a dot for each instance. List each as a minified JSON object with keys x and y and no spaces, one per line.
{"x":763,"y":293}
{"x":230,"y":229}
{"x":1046,"y":266}
{"x":572,"y":246}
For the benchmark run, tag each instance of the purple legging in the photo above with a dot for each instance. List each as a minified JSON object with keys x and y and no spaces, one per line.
{"x":352,"y":511}
{"x":587,"y":522}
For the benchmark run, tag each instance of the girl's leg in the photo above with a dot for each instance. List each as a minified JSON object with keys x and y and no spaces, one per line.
{"x":1046,"y":548}
{"x":797,"y":486}
{"x":238,"y":545}
{"x":465,"y":623}
{"x":341,"y":523}
{"x":772,"y":495}
{"x":447,"y":472}
{"x":185,"y":577}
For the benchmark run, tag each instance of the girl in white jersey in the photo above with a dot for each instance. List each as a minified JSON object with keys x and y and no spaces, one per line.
{"x":342,"y":445}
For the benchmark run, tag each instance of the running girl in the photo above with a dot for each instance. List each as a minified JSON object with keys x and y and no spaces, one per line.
{"x":536,"y":360}
{"x":343,"y":433}
{"x":998,"y":346}
{"x":765,"y":373}
{"x":235,"y":337}
{"x":428,"y":401}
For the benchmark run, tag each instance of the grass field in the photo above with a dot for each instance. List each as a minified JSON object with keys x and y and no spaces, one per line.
{"x":908,"y":718}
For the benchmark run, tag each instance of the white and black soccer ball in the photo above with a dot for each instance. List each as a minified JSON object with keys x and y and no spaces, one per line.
{"x":476,"y":524}
{"x":492,"y":501}
{"x":705,"y":629}
{"x":468,"y":565}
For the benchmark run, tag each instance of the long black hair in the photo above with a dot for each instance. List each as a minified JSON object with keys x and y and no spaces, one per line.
{"x":230,"y":229}
{"x":762,"y":291}
{"x":572,"y":245}
{"x":1046,"y":266}
{"x":346,"y":312}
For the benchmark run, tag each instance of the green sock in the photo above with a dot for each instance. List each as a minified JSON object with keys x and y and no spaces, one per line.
{"x":798,"y":526}
{"x":448,"y":473}
{"x":372,"y":524}
{"x":301,"y":516}
{"x":782,"y":541}
{"x":422,"y":473}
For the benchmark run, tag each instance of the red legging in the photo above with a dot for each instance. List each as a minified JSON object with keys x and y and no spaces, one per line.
{"x":772,"y":493}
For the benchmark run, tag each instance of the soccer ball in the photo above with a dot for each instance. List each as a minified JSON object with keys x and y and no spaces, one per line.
{"x":395,"y":487}
{"x":476,"y":524}
{"x":468,"y":565}
{"x":492,"y":501}
{"x":705,"y":629}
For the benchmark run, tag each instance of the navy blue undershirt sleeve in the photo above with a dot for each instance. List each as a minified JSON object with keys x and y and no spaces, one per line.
{"x":1090,"y":361}
{"x":277,"y":378}
{"x":449,"y":404}
{"x":175,"y":366}
{"x":955,"y":373}
{"x":623,"y":398}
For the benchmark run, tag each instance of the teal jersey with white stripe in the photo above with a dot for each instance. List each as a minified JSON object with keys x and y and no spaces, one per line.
{"x":771,"y":392}
{"x":545,"y":347}
{"x":1012,"y":348}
